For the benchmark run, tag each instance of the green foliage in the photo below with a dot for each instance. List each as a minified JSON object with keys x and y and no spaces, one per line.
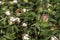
{"x":36,"y":29}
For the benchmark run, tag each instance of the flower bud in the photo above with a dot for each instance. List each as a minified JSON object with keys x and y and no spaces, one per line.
{"x":44,"y":18}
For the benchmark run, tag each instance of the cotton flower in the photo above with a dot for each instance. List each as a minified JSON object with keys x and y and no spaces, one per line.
{"x":12,"y":19}
{"x":54,"y":38}
{"x":7,"y":13}
{"x":24,"y":10}
{"x":18,"y":19}
{"x":24,"y":24}
{"x":25,"y":37}
{"x":0,"y":2}
{"x":15,"y":1}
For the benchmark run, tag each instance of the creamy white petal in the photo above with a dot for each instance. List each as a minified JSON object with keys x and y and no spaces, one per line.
{"x":15,"y":1}
{"x":54,"y":38}
{"x":7,"y":12}
{"x":24,"y":24}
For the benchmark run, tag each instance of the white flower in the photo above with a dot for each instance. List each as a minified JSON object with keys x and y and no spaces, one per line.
{"x":12,"y":19}
{"x":54,"y":38}
{"x":15,"y":1}
{"x":0,"y":2}
{"x":24,"y":10}
{"x":26,"y":37}
{"x":24,"y":24}
{"x":18,"y":19}
{"x":7,"y":12}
